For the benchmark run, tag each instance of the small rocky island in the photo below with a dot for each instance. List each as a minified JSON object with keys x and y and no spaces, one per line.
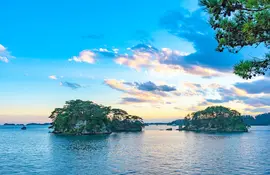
{"x":215,"y":119}
{"x":86,"y":118}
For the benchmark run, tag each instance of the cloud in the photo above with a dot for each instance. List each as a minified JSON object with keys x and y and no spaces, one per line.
{"x":258,"y":101}
{"x":146,"y":86}
{"x":194,"y":27}
{"x":106,"y":53}
{"x":86,"y":56}
{"x":141,"y":92}
{"x":117,"y":85}
{"x":192,"y":85}
{"x":205,"y":94}
{"x":255,"y":87}
{"x":127,"y":100}
{"x":53,"y":77}
{"x":5,"y":55}
{"x":178,"y":108}
{"x":204,"y":103}
{"x":236,"y":94}
{"x":70,"y":85}
{"x":229,"y":94}
{"x":90,"y":56}
{"x":2,"y":48}
{"x":143,"y":56}
{"x":150,"y":86}
{"x":194,"y":89}
{"x":4,"y":59}
{"x":258,"y":110}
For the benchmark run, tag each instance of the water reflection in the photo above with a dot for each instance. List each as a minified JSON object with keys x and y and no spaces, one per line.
{"x":35,"y":151}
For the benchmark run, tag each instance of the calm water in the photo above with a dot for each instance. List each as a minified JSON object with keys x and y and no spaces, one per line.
{"x":35,"y":151}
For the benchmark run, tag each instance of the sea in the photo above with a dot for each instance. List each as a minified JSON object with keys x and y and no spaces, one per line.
{"x":153,"y":151}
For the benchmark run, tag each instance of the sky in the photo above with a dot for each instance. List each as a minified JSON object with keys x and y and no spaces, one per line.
{"x":155,"y":59}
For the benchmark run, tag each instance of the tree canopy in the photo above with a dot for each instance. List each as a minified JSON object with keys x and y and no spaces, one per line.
{"x":216,"y":118}
{"x":81,"y":117}
{"x":240,"y":23}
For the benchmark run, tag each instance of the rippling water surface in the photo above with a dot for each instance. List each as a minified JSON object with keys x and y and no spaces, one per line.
{"x":35,"y":151}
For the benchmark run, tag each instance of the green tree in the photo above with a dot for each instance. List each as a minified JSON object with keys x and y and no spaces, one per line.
{"x":65,"y":119}
{"x":240,"y":23}
{"x":122,"y":121}
{"x":218,"y":117}
{"x":81,"y":117}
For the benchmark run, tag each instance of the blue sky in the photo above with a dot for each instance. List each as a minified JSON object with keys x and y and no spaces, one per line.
{"x":155,"y":59}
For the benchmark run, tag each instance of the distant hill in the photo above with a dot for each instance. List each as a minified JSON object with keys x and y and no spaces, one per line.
{"x":261,"y":119}
{"x":38,"y":124}
{"x":9,"y":124}
{"x":155,"y":123}
{"x":177,"y":122}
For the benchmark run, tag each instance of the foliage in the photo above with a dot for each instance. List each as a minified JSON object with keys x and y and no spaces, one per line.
{"x":215,"y":117}
{"x":122,"y":121}
{"x":240,"y":23}
{"x":248,"y":120}
{"x":250,"y":68}
{"x":177,"y":122}
{"x":261,"y":119}
{"x":78,"y":117}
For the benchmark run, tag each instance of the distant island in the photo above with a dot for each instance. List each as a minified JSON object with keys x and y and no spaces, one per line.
{"x":215,"y":119}
{"x":86,"y":118}
{"x":13,"y":124}
{"x":258,"y":120}
{"x":9,"y":124}
{"x":38,"y":123}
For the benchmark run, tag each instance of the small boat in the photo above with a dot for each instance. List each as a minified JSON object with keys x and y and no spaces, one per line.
{"x":23,"y":128}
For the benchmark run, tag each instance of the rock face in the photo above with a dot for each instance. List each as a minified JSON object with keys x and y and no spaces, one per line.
{"x":215,"y":119}
{"x":87,"y":118}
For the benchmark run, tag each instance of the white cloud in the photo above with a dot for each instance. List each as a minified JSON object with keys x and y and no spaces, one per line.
{"x":53,"y":77}
{"x":115,"y":50}
{"x":4,"y":54}
{"x":4,"y":59}
{"x":86,"y":56}
{"x":154,"y":61}
{"x":2,"y":48}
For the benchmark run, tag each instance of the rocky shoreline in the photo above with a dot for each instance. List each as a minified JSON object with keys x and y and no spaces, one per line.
{"x":215,"y":119}
{"x":214,"y":130}
{"x":79,"y":117}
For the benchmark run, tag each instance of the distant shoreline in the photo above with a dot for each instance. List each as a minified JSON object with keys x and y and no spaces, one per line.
{"x":28,"y":124}
{"x":146,"y":124}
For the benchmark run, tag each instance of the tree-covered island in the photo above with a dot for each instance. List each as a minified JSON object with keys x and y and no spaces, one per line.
{"x":86,"y":117}
{"x":215,"y":119}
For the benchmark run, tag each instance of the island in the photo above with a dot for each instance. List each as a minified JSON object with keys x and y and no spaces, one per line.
{"x":79,"y":117}
{"x":258,"y":120}
{"x":215,"y":119}
{"x":38,"y":124}
{"x":9,"y":124}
